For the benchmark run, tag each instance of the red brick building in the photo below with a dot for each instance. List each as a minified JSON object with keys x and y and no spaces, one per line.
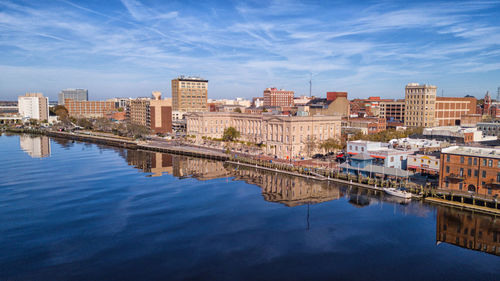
{"x":275,"y":97}
{"x":449,"y":111}
{"x":89,"y":109}
{"x":472,"y":169}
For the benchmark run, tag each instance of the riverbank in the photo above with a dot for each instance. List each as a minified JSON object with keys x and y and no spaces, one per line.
{"x":471,"y":202}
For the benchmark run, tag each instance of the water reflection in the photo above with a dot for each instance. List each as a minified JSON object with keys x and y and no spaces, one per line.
{"x":288,"y":190}
{"x":35,"y":146}
{"x":468,"y":230}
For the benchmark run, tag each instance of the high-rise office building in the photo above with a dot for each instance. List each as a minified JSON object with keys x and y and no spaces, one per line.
{"x":420,"y":105}
{"x":189,"y":94}
{"x":74,"y":94}
{"x":34,"y":106}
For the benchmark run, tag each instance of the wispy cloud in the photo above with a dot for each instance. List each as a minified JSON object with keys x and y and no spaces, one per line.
{"x":251,"y":46}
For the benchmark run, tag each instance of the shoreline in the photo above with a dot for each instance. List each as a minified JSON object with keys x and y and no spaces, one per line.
{"x":434,"y":197}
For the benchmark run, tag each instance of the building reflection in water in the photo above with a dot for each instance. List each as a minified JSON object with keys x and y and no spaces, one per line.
{"x":35,"y":146}
{"x":288,"y":190}
{"x":468,"y":230}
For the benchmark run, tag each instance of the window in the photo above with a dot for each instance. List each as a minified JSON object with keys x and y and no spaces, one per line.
{"x":490,"y":163}
{"x":448,"y":158}
{"x":447,"y":169}
{"x":350,"y":146}
{"x":498,"y":177}
{"x":362,"y":149}
{"x":356,"y":148}
{"x":460,"y":186}
{"x":447,"y":184}
{"x":484,"y":174}
{"x":469,"y":161}
{"x":476,"y":173}
{"x":461,"y":159}
{"x":461,"y":172}
{"x":475,"y":161}
{"x":469,"y":172}
{"x":484,"y":162}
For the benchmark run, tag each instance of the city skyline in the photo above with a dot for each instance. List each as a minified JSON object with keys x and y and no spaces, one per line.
{"x":130,"y":47}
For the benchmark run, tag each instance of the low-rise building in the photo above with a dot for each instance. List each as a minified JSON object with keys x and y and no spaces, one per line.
{"x":425,"y":163}
{"x":456,"y":134}
{"x":283,"y":136}
{"x":489,"y":128}
{"x":336,"y":103}
{"x":368,"y":125}
{"x":382,"y":152}
{"x":473,"y":169}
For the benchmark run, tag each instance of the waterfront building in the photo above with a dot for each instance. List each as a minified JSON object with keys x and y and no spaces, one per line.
{"x":392,"y":110}
{"x":336,"y":103}
{"x":473,"y":231}
{"x":155,"y":114}
{"x":89,"y":109}
{"x":283,"y":136}
{"x":473,"y":169}
{"x":420,"y":105}
{"x":33,"y":106}
{"x":189,"y":94}
{"x":73,"y":94}
{"x":425,"y":163}
{"x":365,"y":165}
{"x":382,"y":152}
{"x":275,"y":97}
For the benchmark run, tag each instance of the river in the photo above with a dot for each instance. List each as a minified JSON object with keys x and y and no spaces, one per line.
{"x":80,"y":211}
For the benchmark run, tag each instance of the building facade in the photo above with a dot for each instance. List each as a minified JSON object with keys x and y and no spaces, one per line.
{"x":382,"y":154}
{"x":420,"y":105}
{"x":473,"y":169}
{"x":449,"y":111}
{"x":283,"y":136}
{"x":424,"y":163}
{"x":33,"y":106}
{"x":336,"y":103}
{"x":189,"y":94}
{"x":392,"y":110}
{"x":155,"y":114}
{"x":275,"y":97}
{"x":74,"y":94}
{"x":89,"y":109}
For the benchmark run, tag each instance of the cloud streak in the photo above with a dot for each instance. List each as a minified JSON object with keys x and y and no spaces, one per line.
{"x":247,"y":47}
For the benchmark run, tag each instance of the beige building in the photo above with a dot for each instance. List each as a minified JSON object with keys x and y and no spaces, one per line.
{"x":155,"y":113}
{"x":420,"y":105}
{"x":189,"y":94}
{"x":33,"y":106}
{"x":283,"y":136}
{"x":394,"y":109}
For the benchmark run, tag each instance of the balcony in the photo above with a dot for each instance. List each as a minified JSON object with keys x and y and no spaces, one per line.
{"x":455,"y":177}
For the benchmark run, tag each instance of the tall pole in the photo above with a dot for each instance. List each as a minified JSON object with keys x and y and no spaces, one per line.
{"x":310,"y":84}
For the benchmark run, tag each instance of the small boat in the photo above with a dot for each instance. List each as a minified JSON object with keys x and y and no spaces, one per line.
{"x":398,"y":192}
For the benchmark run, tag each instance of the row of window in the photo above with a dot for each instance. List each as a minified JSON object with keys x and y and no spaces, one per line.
{"x":471,"y":160}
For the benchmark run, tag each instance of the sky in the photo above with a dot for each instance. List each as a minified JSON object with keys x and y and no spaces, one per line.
{"x":130,"y":48}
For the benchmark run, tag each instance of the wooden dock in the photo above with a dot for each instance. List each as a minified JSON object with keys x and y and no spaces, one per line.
{"x":463,"y":205}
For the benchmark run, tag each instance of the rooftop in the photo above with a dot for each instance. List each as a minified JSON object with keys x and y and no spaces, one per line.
{"x":473,"y":151}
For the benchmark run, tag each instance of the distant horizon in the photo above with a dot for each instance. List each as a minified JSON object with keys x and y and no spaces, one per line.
{"x":129,"y":48}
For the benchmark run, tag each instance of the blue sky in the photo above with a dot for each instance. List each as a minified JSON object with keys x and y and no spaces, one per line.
{"x":132,"y":47}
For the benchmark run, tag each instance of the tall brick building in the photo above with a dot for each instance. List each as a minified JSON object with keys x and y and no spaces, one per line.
{"x":89,"y":109}
{"x":155,"y":113}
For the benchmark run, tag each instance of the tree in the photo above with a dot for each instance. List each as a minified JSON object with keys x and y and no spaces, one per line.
{"x":120,"y":109}
{"x":230,"y":134}
{"x":331,"y":144}
{"x":310,"y":145}
{"x":237,"y":109}
{"x":264,"y":109}
{"x":60,"y":110}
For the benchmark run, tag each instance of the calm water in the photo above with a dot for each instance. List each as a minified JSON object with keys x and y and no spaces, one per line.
{"x":76,"y":211}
